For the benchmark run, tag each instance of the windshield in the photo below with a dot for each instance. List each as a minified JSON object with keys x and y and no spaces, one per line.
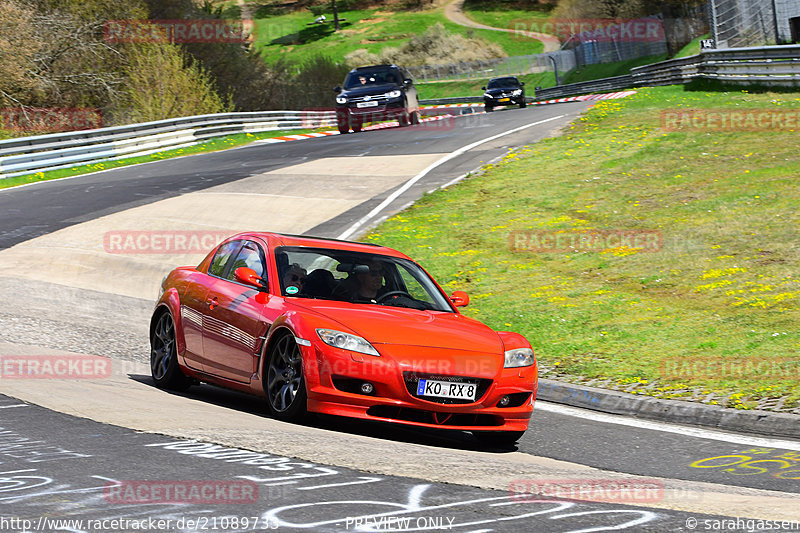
{"x":503,"y":82}
{"x":357,"y":277}
{"x":372,"y":77}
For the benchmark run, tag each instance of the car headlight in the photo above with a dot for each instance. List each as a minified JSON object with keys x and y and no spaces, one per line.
{"x":394,"y":94}
{"x":346,"y":341}
{"x":516,"y":92}
{"x":519,"y":357}
{"x":487,"y":95}
{"x":341,"y":100}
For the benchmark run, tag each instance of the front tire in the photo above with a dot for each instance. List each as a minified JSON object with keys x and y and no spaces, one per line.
{"x":522,"y":104}
{"x":285,"y":383}
{"x":356,"y":125}
{"x":498,"y":439}
{"x":164,"y":356}
{"x":404,"y":120}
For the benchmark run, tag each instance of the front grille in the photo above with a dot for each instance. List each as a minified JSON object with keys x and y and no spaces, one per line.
{"x":412,"y":379}
{"x":430,"y":417}
{"x":380,"y":99}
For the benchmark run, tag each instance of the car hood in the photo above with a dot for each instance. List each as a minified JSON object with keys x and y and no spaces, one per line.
{"x":410,"y":327}
{"x":369,"y":90}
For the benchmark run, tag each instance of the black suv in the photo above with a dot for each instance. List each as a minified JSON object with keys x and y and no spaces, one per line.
{"x":370,"y":94}
{"x":503,"y":91}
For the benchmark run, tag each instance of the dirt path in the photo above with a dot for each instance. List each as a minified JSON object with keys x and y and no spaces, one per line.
{"x":454,"y":12}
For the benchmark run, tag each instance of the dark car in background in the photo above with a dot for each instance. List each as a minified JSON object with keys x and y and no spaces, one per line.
{"x":371,"y":94}
{"x":507,"y":90}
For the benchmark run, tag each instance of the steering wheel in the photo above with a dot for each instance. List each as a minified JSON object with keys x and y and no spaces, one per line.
{"x":392,"y":293}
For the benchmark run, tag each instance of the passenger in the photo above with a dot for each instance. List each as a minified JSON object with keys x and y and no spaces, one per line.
{"x":295,"y":277}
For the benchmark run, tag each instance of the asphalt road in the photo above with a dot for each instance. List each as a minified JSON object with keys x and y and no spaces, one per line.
{"x":62,"y":473}
{"x":41,"y":208}
{"x":95,"y":322}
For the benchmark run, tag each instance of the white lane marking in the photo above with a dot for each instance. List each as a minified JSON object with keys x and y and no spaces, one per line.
{"x":407,"y":185}
{"x":700,"y":433}
{"x":15,"y":405}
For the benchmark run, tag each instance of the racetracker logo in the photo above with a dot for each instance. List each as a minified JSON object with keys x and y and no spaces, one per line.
{"x":49,"y":119}
{"x":178,"y":31}
{"x":730,"y":120}
{"x":555,"y":241}
{"x":198,"y":492}
{"x":54,"y":367}
{"x":644,"y":30}
{"x":592,"y":490}
{"x":758,"y":369}
{"x":162,"y":242}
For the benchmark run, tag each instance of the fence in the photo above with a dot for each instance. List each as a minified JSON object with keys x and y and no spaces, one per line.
{"x":508,"y":66}
{"x":738,"y":23}
{"x":767,"y":65}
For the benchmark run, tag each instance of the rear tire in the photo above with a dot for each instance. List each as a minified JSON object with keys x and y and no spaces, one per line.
{"x":498,"y":439}
{"x":415,"y":118}
{"x":164,"y":356}
{"x":284,"y":381}
{"x":488,"y":108}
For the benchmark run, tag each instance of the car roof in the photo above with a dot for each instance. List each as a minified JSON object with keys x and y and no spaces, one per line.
{"x":505,"y":78}
{"x":275,"y":240}
{"x":374,"y":67}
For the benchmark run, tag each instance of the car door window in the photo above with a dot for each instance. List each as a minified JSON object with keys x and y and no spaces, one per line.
{"x":250,"y":256}
{"x":222,"y":257}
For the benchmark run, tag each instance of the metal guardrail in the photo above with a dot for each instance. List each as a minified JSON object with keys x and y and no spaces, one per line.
{"x":26,"y":155}
{"x":39,"y":153}
{"x":765,"y":65}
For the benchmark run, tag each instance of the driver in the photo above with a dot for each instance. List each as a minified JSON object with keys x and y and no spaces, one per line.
{"x":369,"y":283}
{"x":364,"y":286}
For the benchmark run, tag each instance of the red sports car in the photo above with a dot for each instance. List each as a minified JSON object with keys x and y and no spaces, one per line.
{"x":342,"y":328}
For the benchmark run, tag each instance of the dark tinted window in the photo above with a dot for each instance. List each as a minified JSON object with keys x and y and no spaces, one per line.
{"x":222,"y":257}
{"x":503,"y":82}
{"x":249,"y":256}
{"x":350,"y":276}
{"x":372,"y":77}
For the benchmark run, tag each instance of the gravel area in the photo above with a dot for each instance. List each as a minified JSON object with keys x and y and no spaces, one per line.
{"x":75,"y":320}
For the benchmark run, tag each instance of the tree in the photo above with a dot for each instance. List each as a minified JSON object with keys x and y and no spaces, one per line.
{"x":161,"y":83}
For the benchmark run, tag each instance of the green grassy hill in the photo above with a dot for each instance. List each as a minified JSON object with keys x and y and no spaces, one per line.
{"x":294,"y":36}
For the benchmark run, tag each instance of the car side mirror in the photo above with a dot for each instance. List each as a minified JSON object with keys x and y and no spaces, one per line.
{"x":522,"y":84}
{"x":337,"y":89}
{"x":483,"y":88}
{"x":460,"y":298}
{"x":407,"y":82}
{"x":248,"y":276}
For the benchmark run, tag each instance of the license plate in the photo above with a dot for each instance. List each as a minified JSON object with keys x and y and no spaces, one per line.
{"x":504,"y":99}
{"x":447,"y":389}
{"x":367,"y":104}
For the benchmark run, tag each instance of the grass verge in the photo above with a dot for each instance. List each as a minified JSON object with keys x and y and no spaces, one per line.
{"x":211,"y":145}
{"x":710,"y":315}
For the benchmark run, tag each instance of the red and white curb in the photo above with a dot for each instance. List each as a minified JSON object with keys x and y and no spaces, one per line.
{"x":393,"y":124}
{"x":586,"y":98}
